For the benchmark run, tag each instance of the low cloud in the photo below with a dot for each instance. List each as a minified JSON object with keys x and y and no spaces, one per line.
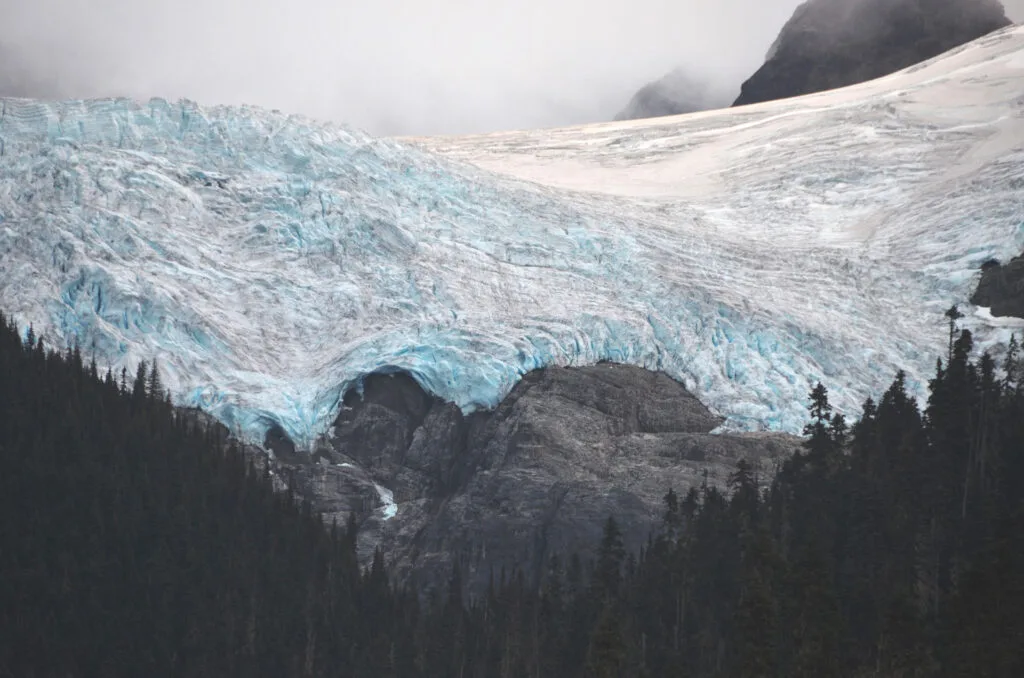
{"x":391,"y":66}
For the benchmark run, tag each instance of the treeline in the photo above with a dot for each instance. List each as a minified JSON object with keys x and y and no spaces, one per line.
{"x":135,"y":542}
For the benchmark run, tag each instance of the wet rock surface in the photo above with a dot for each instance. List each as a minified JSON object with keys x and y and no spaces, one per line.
{"x":537,"y":476}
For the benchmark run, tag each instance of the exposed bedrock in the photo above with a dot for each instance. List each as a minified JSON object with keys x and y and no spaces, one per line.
{"x":536,"y":476}
{"x":834,"y":43}
{"x":1001,"y":288}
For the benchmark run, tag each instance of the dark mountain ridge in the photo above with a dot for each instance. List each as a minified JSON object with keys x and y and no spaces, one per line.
{"x":828,"y":44}
{"x":835,"y":43}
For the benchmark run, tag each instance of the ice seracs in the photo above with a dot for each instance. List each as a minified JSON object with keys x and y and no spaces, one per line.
{"x":271,"y":262}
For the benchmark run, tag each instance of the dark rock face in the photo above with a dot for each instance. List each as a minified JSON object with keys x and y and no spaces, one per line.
{"x":278,"y":442}
{"x":375,"y":428}
{"x":1002,"y":288}
{"x":537,"y":476}
{"x":674,"y":94}
{"x":835,"y":43}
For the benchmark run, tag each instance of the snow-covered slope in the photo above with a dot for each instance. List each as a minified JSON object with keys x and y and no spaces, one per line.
{"x":271,"y":262}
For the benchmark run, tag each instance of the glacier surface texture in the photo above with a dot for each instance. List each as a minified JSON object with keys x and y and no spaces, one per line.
{"x":271,"y":262}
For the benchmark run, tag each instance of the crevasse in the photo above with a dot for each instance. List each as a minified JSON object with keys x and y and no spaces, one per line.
{"x":270,"y":262}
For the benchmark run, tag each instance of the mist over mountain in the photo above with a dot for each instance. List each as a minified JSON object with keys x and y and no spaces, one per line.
{"x":828,"y":44}
{"x":675,"y":93}
{"x":390,"y":68}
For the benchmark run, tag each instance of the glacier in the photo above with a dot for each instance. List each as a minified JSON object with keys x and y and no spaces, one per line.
{"x":270,"y":262}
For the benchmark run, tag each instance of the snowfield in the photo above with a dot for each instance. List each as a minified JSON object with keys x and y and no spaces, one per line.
{"x":270,"y":262}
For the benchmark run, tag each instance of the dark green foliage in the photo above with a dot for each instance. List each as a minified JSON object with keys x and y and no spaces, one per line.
{"x":953,"y":314}
{"x":894,"y":547}
{"x":134,"y":543}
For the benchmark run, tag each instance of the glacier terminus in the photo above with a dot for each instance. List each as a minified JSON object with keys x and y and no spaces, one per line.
{"x":270,"y":262}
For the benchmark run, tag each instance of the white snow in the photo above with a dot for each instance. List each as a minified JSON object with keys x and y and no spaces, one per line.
{"x":271,"y":262}
{"x":984,"y":315}
{"x":387,"y":497}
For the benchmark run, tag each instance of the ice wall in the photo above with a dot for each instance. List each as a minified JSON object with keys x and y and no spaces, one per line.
{"x":270,"y":262}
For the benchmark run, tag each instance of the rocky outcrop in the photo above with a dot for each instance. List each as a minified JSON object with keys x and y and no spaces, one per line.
{"x":1001,"y":288}
{"x":674,"y":94}
{"x":536,"y":476}
{"x":835,"y":43}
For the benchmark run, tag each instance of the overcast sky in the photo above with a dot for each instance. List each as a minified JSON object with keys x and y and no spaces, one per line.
{"x":388,"y":66}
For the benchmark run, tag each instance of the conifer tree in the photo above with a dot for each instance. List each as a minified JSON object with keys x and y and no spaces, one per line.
{"x":610,"y":557}
{"x":904,"y":558}
{"x":1012,"y":365}
{"x":154,"y":386}
{"x":139,"y":385}
{"x":607,"y":651}
{"x":953,"y":314}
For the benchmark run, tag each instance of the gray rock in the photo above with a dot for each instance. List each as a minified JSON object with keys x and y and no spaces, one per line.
{"x":1002,"y":288}
{"x":280,"y":445}
{"x":834,"y":43}
{"x":535,"y":477}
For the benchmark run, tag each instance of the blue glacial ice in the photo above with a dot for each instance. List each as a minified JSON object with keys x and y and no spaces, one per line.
{"x":271,"y":262}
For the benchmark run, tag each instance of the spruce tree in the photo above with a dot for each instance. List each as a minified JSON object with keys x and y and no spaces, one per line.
{"x":953,"y":314}
{"x":154,"y":386}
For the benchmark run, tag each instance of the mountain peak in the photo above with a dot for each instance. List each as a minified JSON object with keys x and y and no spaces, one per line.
{"x":675,"y":93}
{"x":829,"y":44}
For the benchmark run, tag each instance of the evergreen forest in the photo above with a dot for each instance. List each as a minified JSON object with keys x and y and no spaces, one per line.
{"x":137,"y":541}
